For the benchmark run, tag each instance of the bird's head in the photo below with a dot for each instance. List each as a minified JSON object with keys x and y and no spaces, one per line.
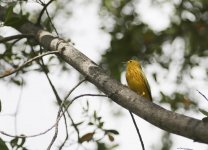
{"x":133,"y":63}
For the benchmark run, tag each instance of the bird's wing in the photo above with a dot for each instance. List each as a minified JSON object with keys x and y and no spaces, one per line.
{"x":147,"y":86}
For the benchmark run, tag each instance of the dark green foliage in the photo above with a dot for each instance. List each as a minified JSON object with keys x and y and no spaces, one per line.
{"x":131,"y":37}
{"x":3,"y":145}
{"x":204,"y":112}
{"x":18,"y":143}
{"x":14,"y":20}
{"x":99,"y":132}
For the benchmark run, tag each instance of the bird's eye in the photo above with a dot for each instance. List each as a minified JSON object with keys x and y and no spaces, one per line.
{"x":130,"y":61}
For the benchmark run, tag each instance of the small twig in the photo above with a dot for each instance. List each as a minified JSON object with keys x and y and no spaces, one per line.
{"x":65,"y":110}
{"x":59,"y":103}
{"x":75,"y":127}
{"x":203,"y":95}
{"x":67,"y":136}
{"x":19,"y":36}
{"x":52,"y":23}
{"x":50,"y":82}
{"x":42,"y":11}
{"x":56,"y":132}
{"x":75,"y":98}
{"x":137,"y":129}
{"x":61,"y":110}
{"x":28,"y":136}
{"x":82,"y":95}
{"x":18,"y":106}
{"x":72,"y":121}
{"x":12,"y":71}
{"x":57,"y":120}
{"x":80,"y":82}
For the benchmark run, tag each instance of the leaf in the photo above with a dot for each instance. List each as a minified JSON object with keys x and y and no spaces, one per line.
{"x":14,"y":142}
{"x":95,"y":115}
{"x":155,"y":76}
{"x":112,"y":131}
{"x":14,"y":20}
{"x":79,"y":123}
{"x":203,"y":112}
{"x":101,"y":146}
{"x":100,"y":125}
{"x":87,"y":137}
{"x":87,"y":105}
{"x":90,"y":123}
{"x":22,"y":142}
{"x":16,"y":81}
{"x":111,"y":138}
{"x":3,"y":145}
{"x":9,"y":12}
{"x":18,"y":142}
{"x":99,"y":118}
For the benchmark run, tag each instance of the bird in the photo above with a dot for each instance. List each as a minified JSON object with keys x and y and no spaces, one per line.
{"x":137,"y":80}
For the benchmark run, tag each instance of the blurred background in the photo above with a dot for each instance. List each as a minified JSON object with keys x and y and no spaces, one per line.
{"x":169,"y":37}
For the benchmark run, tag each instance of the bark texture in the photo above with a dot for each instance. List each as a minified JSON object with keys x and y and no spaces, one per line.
{"x":167,"y":120}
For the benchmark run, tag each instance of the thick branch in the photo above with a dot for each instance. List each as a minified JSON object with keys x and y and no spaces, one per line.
{"x":170,"y":121}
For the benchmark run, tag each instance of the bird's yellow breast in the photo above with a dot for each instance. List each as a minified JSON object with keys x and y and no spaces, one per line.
{"x":136,"y":79}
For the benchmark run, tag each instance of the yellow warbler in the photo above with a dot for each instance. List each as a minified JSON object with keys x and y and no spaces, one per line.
{"x":136,"y":79}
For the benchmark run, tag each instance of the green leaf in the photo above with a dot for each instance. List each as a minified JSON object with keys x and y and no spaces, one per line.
{"x":110,"y":137}
{"x":79,"y":123}
{"x":3,"y":145}
{"x":203,"y":112}
{"x":101,"y":146}
{"x":112,"y":131}
{"x":16,"y":81}
{"x":14,"y":20}
{"x":155,"y":76}
{"x":14,"y":142}
{"x":95,"y":115}
{"x":22,"y":142}
{"x":18,"y":142}
{"x":9,"y":12}
{"x":100,"y":125}
{"x":90,"y":123}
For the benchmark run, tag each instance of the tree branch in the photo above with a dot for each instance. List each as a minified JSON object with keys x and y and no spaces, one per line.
{"x":167,"y":120}
{"x":202,"y":95}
